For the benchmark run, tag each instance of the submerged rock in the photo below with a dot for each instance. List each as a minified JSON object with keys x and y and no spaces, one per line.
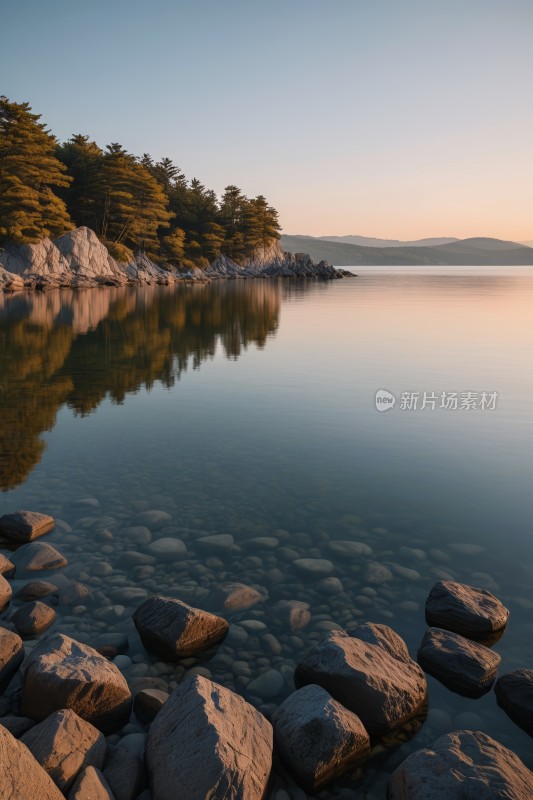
{"x":294,"y":613}
{"x":464,"y":666}
{"x":175,"y":630}
{"x":461,"y":765}
{"x":472,"y":612}
{"x":21,"y":777}
{"x":37,"y":556}
{"x":514,"y":693}
{"x":209,"y":742}
{"x":64,"y":744}
{"x":35,"y":590}
{"x":317,"y":737}
{"x":24,"y":526}
{"x":62,"y":673}
{"x":381,"y":684}
{"x":233,"y":597}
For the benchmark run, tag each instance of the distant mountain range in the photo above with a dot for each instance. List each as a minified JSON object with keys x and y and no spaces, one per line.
{"x":369,"y":241}
{"x":342,"y":251}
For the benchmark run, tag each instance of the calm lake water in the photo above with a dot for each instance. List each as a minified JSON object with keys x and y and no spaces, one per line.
{"x":247,"y":408}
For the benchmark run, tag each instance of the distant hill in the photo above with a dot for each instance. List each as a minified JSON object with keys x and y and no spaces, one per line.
{"x":528,"y":244}
{"x":368,"y":241}
{"x":461,"y":252}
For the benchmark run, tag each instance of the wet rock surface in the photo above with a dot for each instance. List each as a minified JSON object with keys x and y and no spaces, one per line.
{"x":459,"y":765}
{"x":176,"y":630}
{"x":382,"y":689}
{"x":317,"y":737}
{"x":472,"y":612}
{"x":462,"y":665}
{"x":211,"y":743}
{"x":514,"y":693}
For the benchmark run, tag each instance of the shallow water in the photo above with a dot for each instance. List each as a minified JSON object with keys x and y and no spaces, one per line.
{"x":247,"y":408}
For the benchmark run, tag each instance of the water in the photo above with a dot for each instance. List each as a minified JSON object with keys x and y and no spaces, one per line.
{"x":248,"y":408}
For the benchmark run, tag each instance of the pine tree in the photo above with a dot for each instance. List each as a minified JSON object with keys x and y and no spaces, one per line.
{"x":83,"y":160}
{"x":29,"y":208}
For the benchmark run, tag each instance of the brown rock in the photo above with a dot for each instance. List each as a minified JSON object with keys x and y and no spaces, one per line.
{"x":7,"y":568}
{"x":21,"y":777}
{"x":17,"y":725}
{"x":91,"y":785}
{"x":472,"y":612}
{"x":148,"y":703}
{"x":209,"y":742}
{"x":64,"y":744}
{"x":317,"y":737}
{"x":463,"y":765}
{"x":35,"y":590}
{"x":514,"y":693}
{"x":175,"y":630}
{"x":383,"y":689}
{"x":464,"y":666}
{"x":233,"y":597}
{"x":25,"y":526}
{"x":62,"y":673}
{"x":37,"y":556}
{"x":124,"y":772}
{"x":5,"y":593}
{"x":34,"y":618}
{"x":11,"y":656}
{"x":294,"y":613}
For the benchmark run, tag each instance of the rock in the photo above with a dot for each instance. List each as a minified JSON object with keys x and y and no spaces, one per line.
{"x":378,"y":683}
{"x":152,"y":519}
{"x":5,"y":593}
{"x":268,"y":685}
{"x":233,"y":597}
{"x":137,"y":534}
{"x":464,"y":666}
{"x":294,"y":613}
{"x":175,"y":630}
{"x":317,"y":737}
{"x":514,"y":693}
{"x":148,"y":703}
{"x":11,"y":656}
{"x":313,"y":567}
{"x":25,"y":526}
{"x":21,"y":777}
{"x":209,"y":742}
{"x":330,"y":586}
{"x":218,"y":542}
{"x":377,"y":573}
{"x":9,"y":282}
{"x":124,"y":773}
{"x":472,"y":612}
{"x":7,"y":568}
{"x":34,"y":618}
{"x":88,"y":259}
{"x":62,"y":673}
{"x":462,"y":765}
{"x":38,"y":556}
{"x":350,"y":549}
{"x":17,"y":725}
{"x":111,"y":645}
{"x":168,"y":549}
{"x":34,"y":590}
{"x":91,"y":785}
{"x":63,"y":744}
{"x":383,"y":636}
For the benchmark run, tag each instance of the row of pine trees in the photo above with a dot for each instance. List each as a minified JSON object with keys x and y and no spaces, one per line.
{"x":47,"y":188}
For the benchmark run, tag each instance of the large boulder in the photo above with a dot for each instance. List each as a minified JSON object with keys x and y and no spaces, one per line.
{"x":317,"y":737}
{"x":63,"y":744}
{"x":462,"y":765}
{"x":464,"y":666}
{"x":475,"y":613}
{"x":62,"y":673}
{"x":371,"y":675}
{"x":91,"y":785}
{"x":11,"y":656}
{"x":514,"y":693}
{"x":209,"y":742}
{"x":24,"y":526}
{"x":175,"y":630}
{"x":88,"y":258}
{"x":21,"y":777}
{"x":41,"y":260}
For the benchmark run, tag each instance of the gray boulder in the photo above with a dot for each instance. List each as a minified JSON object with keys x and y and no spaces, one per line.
{"x":62,"y":673}
{"x":91,"y":785}
{"x":34,"y":618}
{"x":475,"y":613}
{"x":464,"y":666}
{"x":208,"y":742}
{"x":11,"y":656}
{"x":24,"y":526}
{"x":317,"y":737}
{"x":514,"y":693}
{"x":64,"y":744}
{"x":463,"y":765}
{"x":175,"y":630}
{"x":21,"y":777}
{"x":381,"y":684}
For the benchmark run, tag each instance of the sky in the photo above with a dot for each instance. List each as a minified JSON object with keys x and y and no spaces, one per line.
{"x":372,"y":117}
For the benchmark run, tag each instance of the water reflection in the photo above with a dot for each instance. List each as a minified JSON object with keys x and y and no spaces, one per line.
{"x":75,"y":348}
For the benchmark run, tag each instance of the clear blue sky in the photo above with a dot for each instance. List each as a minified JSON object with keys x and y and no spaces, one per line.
{"x":396,"y":118}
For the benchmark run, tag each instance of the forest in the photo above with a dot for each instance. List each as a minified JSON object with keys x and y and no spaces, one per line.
{"x":133,"y":203}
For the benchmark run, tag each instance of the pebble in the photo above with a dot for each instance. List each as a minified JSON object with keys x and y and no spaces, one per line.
{"x":167,"y":548}
{"x":268,"y":685}
{"x":313,"y":567}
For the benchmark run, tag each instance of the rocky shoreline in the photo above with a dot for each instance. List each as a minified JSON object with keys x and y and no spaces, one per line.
{"x":72,"y":726}
{"x":79,"y":260}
